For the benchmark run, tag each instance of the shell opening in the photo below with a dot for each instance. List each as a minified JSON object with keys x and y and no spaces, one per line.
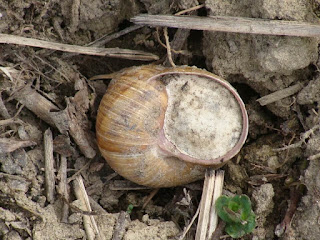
{"x":203,"y":119}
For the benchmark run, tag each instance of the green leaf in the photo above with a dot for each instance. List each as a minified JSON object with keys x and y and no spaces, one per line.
{"x":222,"y":208}
{"x":235,"y":230}
{"x":237,"y":213}
{"x":129,"y":208}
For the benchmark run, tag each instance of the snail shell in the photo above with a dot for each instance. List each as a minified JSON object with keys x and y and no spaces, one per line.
{"x":162,"y":127}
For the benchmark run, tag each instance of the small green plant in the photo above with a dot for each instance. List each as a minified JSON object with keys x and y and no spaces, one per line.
{"x":237,"y":213}
{"x":129,"y":208}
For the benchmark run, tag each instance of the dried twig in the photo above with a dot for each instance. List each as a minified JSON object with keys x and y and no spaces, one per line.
{"x":189,"y":9}
{"x":49,"y":165}
{"x":231,"y":24}
{"x":177,"y":43}
{"x":74,"y":176}
{"x":23,"y":201}
{"x":10,"y":121}
{"x":15,"y":177}
{"x":205,"y":205}
{"x":69,"y":119}
{"x":110,"y":176}
{"x":179,"y":38}
{"x":151,"y":195}
{"x":107,"y":38}
{"x":75,"y":16}
{"x":109,"y":52}
{"x":36,"y":103}
{"x":278,"y":95}
{"x":314,"y":157}
{"x":100,"y":42}
{"x":295,"y":196}
{"x":166,"y":37}
{"x":77,"y":131}
{"x":9,"y":72}
{"x":8,"y":145}
{"x":186,"y":229}
{"x":218,"y":186}
{"x":304,"y":136}
{"x":208,"y":218}
{"x":63,"y":188}
{"x":89,"y":222}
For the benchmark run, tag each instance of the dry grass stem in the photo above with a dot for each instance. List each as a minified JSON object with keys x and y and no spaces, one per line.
{"x":90,"y":224}
{"x":231,"y":24}
{"x":205,"y":205}
{"x":278,"y":95}
{"x":177,"y":43}
{"x":208,"y":218}
{"x":189,"y":9}
{"x":180,"y":38}
{"x":109,"y":52}
{"x":49,"y":165}
{"x":304,"y":136}
{"x":10,"y":176}
{"x":75,"y":16}
{"x":70,"y":119}
{"x":8,"y":145}
{"x":166,"y":37}
{"x":10,"y":121}
{"x":63,"y":188}
{"x":36,"y":103}
{"x":186,"y":229}
{"x":314,"y":157}
{"x":9,"y":72}
{"x":151,"y":195}
{"x":218,"y":186}
{"x":74,"y":176}
{"x":107,"y":38}
{"x":76,"y":127}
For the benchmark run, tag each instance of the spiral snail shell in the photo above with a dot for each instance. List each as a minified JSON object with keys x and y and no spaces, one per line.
{"x":162,"y":127}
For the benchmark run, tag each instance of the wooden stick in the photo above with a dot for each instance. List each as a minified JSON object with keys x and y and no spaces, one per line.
{"x":110,"y":52}
{"x":107,"y":38}
{"x":89,"y":222}
{"x":231,"y":24}
{"x":8,"y":145}
{"x":64,"y":188}
{"x":69,"y":119}
{"x":205,"y":205}
{"x":218,"y":186}
{"x":278,"y":95}
{"x":36,"y":103}
{"x":49,"y":165}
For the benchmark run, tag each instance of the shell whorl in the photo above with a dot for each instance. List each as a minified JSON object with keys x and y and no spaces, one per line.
{"x":130,"y":125}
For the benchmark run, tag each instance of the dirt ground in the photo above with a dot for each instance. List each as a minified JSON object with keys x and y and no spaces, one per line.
{"x":46,"y":94}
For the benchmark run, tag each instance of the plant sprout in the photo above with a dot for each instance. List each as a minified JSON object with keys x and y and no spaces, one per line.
{"x":129,"y":208}
{"x":237,"y":213}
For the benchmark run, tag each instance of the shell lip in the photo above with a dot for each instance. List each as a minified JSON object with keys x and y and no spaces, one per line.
{"x":171,"y":150}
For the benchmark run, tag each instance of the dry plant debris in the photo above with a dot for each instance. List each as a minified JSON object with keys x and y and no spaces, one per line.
{"x":48,"y":51}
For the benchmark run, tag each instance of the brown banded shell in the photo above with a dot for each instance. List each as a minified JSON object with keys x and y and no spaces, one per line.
{"x":161,"y":127}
